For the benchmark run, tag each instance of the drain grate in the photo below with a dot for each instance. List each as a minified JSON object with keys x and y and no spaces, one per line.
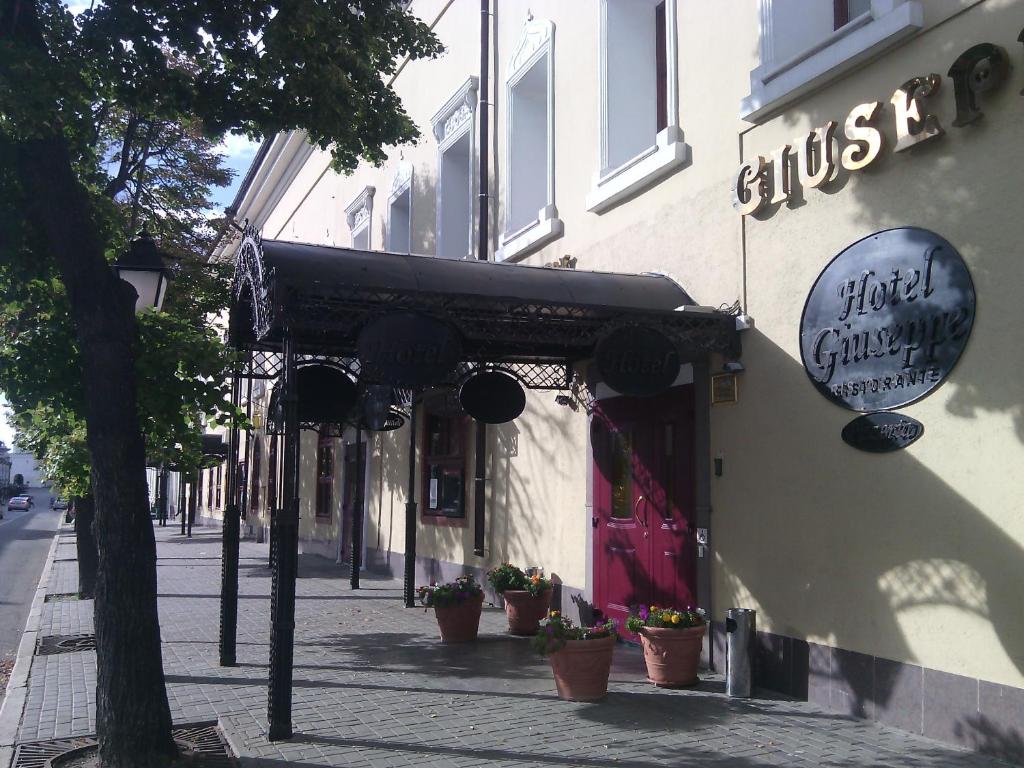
{"x":52,"y":644}
{"x":62,"y":597}
{"x":204,"y":738}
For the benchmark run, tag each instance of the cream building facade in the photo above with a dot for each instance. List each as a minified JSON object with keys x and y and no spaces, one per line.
{"x":625,"y":136}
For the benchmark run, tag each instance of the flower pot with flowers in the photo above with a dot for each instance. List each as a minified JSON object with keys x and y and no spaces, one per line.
{"x":457,"y":606}
{"x":580,"y":657}
{"x":671,"y":640}
{"x":527,"y":598}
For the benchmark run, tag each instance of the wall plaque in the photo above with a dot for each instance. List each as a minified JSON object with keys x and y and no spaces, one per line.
{"x":887,"y":319}
{"x":882,"y":432}
{"x":637,"y":360}
{"x":407,"y":349}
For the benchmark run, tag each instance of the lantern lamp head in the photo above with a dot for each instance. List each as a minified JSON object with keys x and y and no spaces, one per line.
{"x":142,"y":267}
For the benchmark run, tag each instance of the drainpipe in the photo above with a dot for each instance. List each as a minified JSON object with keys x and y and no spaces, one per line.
{"x":483,"y":237}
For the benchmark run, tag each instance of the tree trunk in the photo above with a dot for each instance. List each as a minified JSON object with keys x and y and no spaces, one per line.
{"x":85,"y":541}
{"x":133,"y":720}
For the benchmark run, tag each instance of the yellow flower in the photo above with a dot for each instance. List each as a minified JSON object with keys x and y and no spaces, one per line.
{"x":675,"y":619}
{"x":654,"y":607}
{"x":554,"y":614}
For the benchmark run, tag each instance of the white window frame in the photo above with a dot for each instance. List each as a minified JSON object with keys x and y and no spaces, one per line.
{"x":536,"y":42}
{"x":669,"y":151}
{"x":453,"y":121}
{"x":774,"y":85}
{"x":401,"y":184}
{"x":359,"y":216}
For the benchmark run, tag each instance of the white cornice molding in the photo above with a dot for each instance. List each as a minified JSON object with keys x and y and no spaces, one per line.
{"x":457,"y":110}
{"x":359,"y":211}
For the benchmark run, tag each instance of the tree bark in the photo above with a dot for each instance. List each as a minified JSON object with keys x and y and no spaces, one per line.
{"x":133,"y":721}
{"x":85,"y":543}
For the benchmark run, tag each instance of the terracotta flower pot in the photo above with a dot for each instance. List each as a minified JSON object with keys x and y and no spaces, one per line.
{"x":460,"y":623}
{"x":581,"y":668}
{"x":524,"y":610}
{"x":672,"y":655}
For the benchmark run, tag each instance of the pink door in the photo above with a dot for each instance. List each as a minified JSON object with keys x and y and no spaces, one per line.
{"x":644,"y":550}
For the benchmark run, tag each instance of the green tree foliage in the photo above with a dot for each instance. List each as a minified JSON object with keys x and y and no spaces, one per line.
{"x":83,"y":98}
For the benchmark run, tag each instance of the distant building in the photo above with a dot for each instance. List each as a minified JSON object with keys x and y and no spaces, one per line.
{"x":5,"y":469}
{"x":24,"y":463}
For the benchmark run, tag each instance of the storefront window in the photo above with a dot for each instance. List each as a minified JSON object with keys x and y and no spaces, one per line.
{"x":444,"y":467}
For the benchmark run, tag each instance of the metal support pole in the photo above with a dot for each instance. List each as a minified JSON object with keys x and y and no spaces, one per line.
{"x":229,"y":544}
{"x":483,"y":238}
{"x":161,"y":490}
{"x":286,"y":546}
{"x":181,"y":496}
{"x":410,"y":514}
{"x":357,"y":512}
{"x":193,"y":503}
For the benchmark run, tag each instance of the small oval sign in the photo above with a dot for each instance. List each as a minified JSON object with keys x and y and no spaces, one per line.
{"x":326,"y":394}
{"x":407,"y":349}
{"x":492,"y":397}
{"x":637,"y":360}
{"x":882,"y":432}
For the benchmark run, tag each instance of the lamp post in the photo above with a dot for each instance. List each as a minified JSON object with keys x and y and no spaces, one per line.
{"x":143,"y":269}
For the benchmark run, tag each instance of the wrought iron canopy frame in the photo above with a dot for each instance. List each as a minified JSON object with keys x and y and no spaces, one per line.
{"x":504,"y":313}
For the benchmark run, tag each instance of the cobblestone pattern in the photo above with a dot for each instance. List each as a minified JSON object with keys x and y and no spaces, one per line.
{"x":63,"y":577}
{"x":62,"y":697}
{"x":375,"y":687}
{"x":67,"y":617}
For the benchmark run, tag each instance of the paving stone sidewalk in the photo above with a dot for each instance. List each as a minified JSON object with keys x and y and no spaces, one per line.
{"x":375,"y":687}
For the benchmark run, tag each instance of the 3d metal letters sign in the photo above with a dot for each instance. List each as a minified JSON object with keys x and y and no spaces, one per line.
{"x":407,"y":349}
{"x":882,"y":432}
{"x":815,"y":159}
{"x":887,"y":319}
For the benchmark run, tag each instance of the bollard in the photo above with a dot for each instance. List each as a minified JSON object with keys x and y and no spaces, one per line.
{"x":740,"y":624}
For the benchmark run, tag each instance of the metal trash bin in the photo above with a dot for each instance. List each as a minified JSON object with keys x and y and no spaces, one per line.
{"x":740,"y":624}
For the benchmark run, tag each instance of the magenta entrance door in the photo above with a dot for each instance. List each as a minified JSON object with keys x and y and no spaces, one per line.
{"x":644,"y":549}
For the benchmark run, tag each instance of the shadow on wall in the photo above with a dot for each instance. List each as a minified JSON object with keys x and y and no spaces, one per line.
{"x":914,"y":540}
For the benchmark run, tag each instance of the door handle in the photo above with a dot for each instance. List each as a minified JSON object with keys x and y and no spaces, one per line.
{"x":636,"y":505}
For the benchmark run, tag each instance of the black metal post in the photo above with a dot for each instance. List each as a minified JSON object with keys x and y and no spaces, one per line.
{"x":357,"y":512}
{"x":286,"y":555}
{"x":193,"y":503}
{"x":410,"y":514}
{"x":161,"y":496}
{"x":482,"y":248}
{"x":229,"y":544}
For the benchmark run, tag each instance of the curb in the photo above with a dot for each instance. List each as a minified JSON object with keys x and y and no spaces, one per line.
{"x":17,"y":687}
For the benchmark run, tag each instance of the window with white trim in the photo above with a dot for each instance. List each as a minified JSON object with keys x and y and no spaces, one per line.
{"x":456,"y":181}
{"x":531,"y":219}
{"x":641,"y":141}
{"x":359,"y":215}
{"x":806,"y":43}
{"x":399,"y":226}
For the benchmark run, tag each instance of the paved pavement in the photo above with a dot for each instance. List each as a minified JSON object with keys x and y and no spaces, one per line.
{"x":25,"y":538}
{"x":374,"y":687}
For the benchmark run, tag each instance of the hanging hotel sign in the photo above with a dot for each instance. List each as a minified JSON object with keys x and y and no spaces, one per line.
{"x":882,"y":432}
{"x":408,"y":349}
{"x":637,"y":360}
{"x":817,"y":158}
{"x":887,"y":319}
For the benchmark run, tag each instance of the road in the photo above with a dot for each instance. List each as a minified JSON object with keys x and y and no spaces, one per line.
{"x":24,"y":541}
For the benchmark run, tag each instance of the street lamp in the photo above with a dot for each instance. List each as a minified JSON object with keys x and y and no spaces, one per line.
{"x":143,"y":269}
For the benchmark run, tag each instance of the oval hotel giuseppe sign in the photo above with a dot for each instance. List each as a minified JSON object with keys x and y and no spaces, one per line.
{"x":887,"y":319}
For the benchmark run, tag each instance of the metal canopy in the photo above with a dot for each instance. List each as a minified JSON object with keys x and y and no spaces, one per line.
{"x":325,"y":295}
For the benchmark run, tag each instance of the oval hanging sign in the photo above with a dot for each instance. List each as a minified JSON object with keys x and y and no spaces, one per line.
{"x":407,"y":349}
{"x":887,"y":319}
{"x":637,"y":360}
{"x":492,"y":397}
{"x":882,"y":432}
{"x":326,"y":394}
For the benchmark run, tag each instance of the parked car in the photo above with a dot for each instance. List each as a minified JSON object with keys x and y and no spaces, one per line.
{"x":60,"y":504}
{"x":19,"y":502}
